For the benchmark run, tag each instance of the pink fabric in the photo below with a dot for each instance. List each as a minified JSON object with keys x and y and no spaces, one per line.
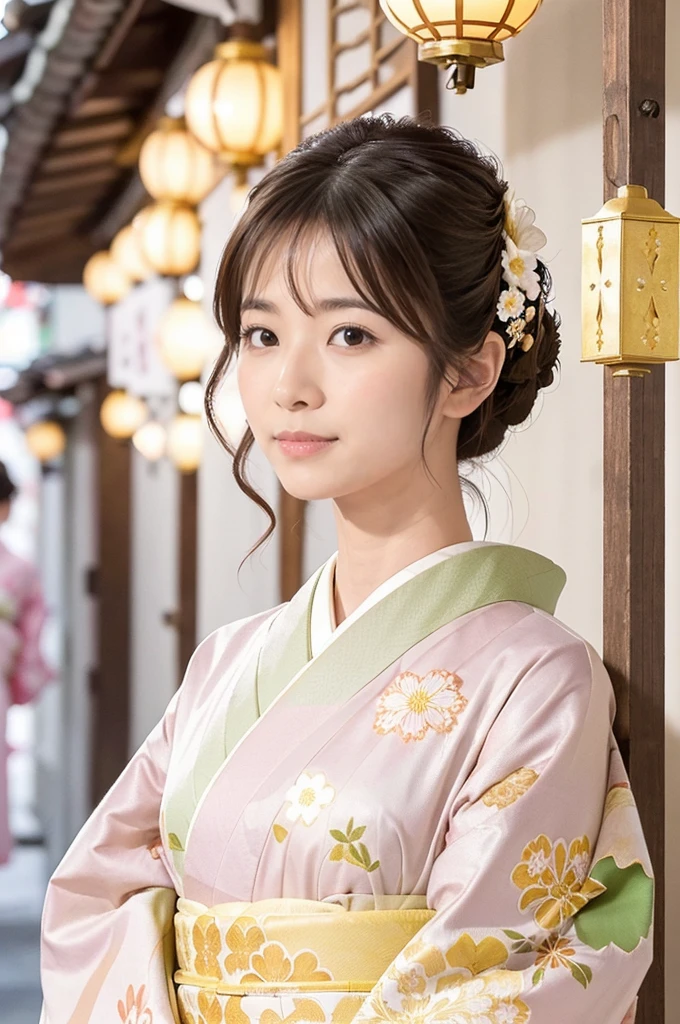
{"x":518,"y":695}
{"x":23,"y":671}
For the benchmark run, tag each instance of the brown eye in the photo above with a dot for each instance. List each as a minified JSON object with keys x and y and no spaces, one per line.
{"x":267,"y":337}
{"x":354,"y":336}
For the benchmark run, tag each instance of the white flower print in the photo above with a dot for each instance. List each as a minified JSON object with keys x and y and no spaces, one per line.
{"x":412,"y":705}
{"x":510,"y":304}
{"x":308,"y":796}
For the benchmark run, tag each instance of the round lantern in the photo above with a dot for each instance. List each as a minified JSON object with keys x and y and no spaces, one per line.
{"x":126,"y":250}
{"x":122,"y":414}
{"x":468,"y":34}
{"x":171,"y":237}
{"x":185,"y":338}
{"x":234,"y":104}
{"x":104,"y":279}
{"x":46,"y":440}
{"x":174,"y":165}
{"x":185,"y":442}
{"x":150,"y":440}
{"x":190,"y":397}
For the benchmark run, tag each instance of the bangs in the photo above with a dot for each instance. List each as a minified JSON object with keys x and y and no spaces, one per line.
{"x":369,"y":240}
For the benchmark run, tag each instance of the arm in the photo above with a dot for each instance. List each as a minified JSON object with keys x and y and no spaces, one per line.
{"x":30,"y":673}
{"x":543,"y":893}
{"x":107,"y":946}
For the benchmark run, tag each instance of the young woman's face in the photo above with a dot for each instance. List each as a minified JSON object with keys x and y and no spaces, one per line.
{"x":344,"y":373}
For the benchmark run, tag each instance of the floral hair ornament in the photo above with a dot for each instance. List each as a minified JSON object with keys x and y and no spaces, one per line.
{"x":517,"y":303}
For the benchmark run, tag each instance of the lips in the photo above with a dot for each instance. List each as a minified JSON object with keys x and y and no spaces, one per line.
{"x":301,"y":435}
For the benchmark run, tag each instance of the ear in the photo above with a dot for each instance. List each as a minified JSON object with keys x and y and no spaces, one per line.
{"x":477,"y":379}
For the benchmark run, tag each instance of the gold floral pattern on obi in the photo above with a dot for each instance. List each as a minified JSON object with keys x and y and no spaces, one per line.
{"x":554,"y":880}
{"x":493,"y":998}
{"x":244,"y":938}
{"x":210,"y":1010}
{"x":207,"y":944}
{"x":459,"y":985}
{"x":134,"y":1010}
{"x":511,"y":788}
{"x":305,"y":1010}
{"x":412,"y":704}
{"x":275,"y":964}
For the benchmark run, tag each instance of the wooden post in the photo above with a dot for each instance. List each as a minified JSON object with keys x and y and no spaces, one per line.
{"x":634,"y":439}
{"x":188,"y":557}
{"x":110,"y":681}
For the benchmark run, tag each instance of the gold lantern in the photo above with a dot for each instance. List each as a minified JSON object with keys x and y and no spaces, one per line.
{"x":104,"y":279}
{"x":46,"y":440}
{"x":185,"y":339}
{"x":630,"y":311}
{"x":171,"y":237}
{"x":185,"y":442}
{"x":467,"y":34}
{"x":122,"y":414}
{"x":150,"y":439}
{"x":126,"y":250}
{"x":234,"y":104}
{"x":174,"y":165}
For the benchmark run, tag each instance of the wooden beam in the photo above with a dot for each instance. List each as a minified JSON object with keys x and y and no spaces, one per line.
{"x":188,"y":560}
{"x":634,"y":440}
{"x":111,"y":699}
{"x":78,"y":158}
{"x":94,"y":131}
{"x":53,"y":184}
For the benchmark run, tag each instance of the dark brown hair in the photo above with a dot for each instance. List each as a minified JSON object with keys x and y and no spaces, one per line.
{"x":417,"y":215}
{"x":7,"y":487}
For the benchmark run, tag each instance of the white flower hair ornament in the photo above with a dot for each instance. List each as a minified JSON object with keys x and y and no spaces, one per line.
{"x":522,"y":241}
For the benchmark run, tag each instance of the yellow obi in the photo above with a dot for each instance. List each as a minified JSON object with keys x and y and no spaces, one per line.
{"x":245,"y":963}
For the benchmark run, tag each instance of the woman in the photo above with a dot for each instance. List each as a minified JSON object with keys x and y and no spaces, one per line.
{"x":396,"y":797}
{"x":23,"y":671}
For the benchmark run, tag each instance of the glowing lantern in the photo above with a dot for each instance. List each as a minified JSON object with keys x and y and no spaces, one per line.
{"x":171,"y":237}
{"x":46,"y":440}
{"x":104,"y":279}
{"x":150,"y":440}
{"x":234,"y":104}
{"x":185,"y":338}
{"x":174,"y":165}
{"x":468,"y":34}
{"x":185,"y":442}
{"x":126,"y":250}
{"x":122,"y":414}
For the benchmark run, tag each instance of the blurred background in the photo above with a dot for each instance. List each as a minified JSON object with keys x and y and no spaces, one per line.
{"x":130,"y":134}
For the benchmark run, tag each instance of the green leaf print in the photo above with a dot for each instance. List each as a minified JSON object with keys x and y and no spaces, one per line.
{"x":339,"y":836}
{"x":581,"y":972}
{"x":174,"y":842}
{"x":621,"y":915}
{"x":537,"y":976}
{"x":356,"y":855}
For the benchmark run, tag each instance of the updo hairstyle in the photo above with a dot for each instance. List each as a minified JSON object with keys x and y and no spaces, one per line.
{"x":417,"y":215}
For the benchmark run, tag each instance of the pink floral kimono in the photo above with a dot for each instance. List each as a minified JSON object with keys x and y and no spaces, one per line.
{"x":418,"y":816}
{"x":23,"y":671}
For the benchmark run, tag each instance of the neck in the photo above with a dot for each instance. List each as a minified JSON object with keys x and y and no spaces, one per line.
{"x":367,"y":557}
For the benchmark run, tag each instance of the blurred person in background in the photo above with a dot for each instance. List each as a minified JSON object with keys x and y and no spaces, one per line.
{"x":23,"y":671}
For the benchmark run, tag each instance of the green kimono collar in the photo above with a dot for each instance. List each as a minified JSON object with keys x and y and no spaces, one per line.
{"x":431,"y":599}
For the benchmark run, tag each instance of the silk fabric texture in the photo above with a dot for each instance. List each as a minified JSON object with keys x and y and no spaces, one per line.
{"x":23,"y":670}
{"x":447,"y":751}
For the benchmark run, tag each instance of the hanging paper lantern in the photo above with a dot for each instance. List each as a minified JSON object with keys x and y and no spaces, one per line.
{"x":150,"y":440}
{"x":234,"y":104}
{"x":468,"y":34}
{"x":46,"y":440}
{"x":174,"y":165}
{"x":126,"y":250}
{"x":122,"y":414}
{"x":185,"y":442}
{"x":185,"y":338}
{"x":190,"y":397}
{"x":104,"y":279}
{"x":171,"y":237}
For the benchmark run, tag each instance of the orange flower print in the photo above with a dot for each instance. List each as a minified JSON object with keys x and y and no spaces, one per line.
{"x":554,"y":880}
{"x":134,"y":1010}
{"x":412,"y":704}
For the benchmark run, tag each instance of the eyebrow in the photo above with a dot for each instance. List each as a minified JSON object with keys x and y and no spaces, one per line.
{"x":325,"y":306}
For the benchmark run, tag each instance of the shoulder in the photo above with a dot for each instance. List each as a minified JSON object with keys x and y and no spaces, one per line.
{"x":218,"y":651}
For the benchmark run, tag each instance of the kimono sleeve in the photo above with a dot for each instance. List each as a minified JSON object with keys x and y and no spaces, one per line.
{"x":543,"y":893}
{"x":30,"y":672}
{"x":107,"y":944}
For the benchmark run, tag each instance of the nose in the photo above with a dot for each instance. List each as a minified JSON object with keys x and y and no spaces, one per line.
{"x":298,"y":380}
